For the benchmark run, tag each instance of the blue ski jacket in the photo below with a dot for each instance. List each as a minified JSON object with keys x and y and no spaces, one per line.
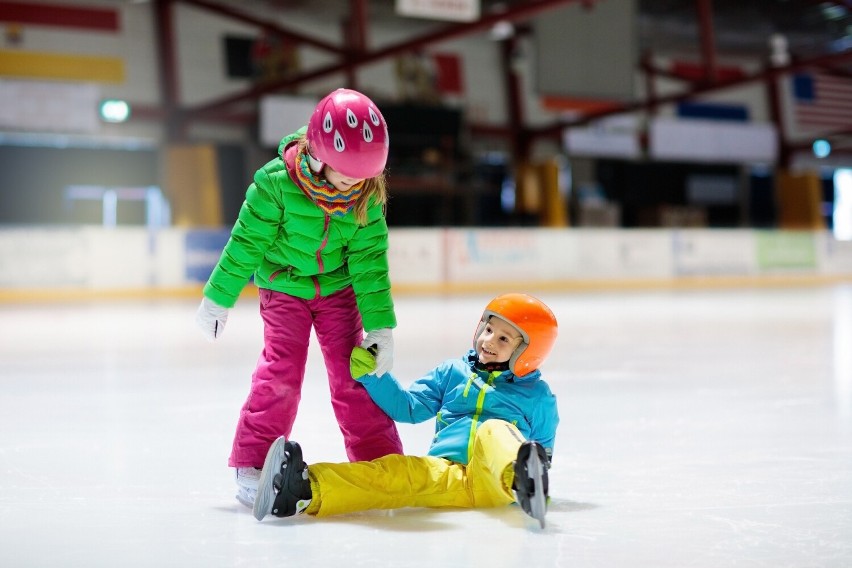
{"x":461,"y":396}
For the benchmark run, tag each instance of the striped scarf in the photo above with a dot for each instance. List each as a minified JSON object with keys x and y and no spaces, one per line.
{"x":327,"y":197}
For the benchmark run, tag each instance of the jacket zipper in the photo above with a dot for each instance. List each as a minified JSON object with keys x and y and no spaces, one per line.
{"x":480,"y":404}
{"x":320,"y":265}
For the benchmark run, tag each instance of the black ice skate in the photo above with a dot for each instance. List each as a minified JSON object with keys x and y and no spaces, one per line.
{"x":531,"y":480}
{"x":284,"y":489}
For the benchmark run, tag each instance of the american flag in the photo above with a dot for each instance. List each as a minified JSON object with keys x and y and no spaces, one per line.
{"x":822,"y":103}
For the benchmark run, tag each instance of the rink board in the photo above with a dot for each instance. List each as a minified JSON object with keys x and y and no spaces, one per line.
{"x":136,"y":260}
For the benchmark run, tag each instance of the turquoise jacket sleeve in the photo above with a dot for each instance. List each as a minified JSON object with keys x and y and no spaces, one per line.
{"x":418,"y":403}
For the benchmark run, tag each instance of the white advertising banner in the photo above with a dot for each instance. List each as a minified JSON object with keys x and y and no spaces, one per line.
{"x":168,"y":264}
{"x":35,"y":259}
{"x":712,"y":141}
{"x":281,"y":115}
{"x":49,"y":106}
{"x":416,"y":256}
{"x":834,"y":257}
{"x":108,"y":253}
{"x":715,"y":252}
{"x":624,"y":254}
{"x":450,"y":10}
{"x":599,"y":143}
{"x":487,"y":255}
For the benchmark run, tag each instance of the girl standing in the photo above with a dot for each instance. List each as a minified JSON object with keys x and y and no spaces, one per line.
{"x":312,"y":232}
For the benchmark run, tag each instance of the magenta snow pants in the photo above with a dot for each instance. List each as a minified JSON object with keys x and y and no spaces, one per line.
{"x":276,"y":385}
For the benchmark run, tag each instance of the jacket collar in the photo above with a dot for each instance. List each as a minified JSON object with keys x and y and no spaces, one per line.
{"x":473,"y":362}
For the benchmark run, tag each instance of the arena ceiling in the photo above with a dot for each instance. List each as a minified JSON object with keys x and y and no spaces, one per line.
{"x":817,"y":34}
{"x":741,"y":27}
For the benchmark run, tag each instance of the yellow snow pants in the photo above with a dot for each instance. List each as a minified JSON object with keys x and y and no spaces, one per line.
{"x":397,"y":481}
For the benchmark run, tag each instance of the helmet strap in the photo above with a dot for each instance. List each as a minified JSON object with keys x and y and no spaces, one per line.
{"x":490,"y":367}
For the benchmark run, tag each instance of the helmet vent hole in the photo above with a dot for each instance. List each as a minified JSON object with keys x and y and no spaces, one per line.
{"x":327,"y":123}
{"x":368,"y":133}
{"x":351,"y":119}
{"x":339,"y":144}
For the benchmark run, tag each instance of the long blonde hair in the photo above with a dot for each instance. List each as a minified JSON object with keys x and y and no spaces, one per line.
{"x":375,"y":188}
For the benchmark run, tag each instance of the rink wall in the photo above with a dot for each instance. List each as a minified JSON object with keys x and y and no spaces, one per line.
{"x":95,"y":262}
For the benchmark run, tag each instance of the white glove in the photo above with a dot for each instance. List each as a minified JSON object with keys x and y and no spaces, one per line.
{"x":383,"y":340}
{"x":211,"y":318}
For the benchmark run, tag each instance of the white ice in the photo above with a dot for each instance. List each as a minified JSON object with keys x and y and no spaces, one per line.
{"x":699,"y":429}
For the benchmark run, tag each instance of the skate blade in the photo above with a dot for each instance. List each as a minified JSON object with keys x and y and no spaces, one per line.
{"x":265,"y":490}
{"x":538,"y":503}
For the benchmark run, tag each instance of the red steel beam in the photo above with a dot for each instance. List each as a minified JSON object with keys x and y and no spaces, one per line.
{"x":60,"y":15}
{"x":775,"y":113}
{"x":522,"y":11}
{"x":228,"y":12}
{"x":354,"y":29}
{"x":167,"y":65}
{"x":708,"y":39}
{"x":358,"y":25}
{"x":555,"y":130}
{"x":520,"y":142}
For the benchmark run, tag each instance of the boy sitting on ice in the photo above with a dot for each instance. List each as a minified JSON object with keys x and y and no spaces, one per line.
{"x":495,"y":426}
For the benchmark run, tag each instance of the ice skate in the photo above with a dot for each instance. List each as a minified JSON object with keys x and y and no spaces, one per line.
{"x":531,"y":480}
{"x":284,"y":489}
{"x":247,"y":479}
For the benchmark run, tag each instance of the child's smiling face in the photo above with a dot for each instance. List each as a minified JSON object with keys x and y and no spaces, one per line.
{"x":497,"y":342}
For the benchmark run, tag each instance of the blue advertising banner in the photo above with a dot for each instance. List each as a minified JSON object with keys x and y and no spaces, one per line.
{"x":203,"y":248}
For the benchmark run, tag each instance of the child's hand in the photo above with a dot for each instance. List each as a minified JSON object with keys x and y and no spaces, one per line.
{"x":211,"y":318}
{"x":382,"y":340}
{"x":361,"y":362}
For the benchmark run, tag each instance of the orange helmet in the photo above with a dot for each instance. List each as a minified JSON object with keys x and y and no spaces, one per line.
{"x":535,"y":322}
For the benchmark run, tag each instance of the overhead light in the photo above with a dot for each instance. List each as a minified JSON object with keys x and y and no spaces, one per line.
{"x":114,"y":110}
{"x":779,"y":50}
{"x":831,"y":11}
{"x":821,"y":148}
{"x":502,"y":30}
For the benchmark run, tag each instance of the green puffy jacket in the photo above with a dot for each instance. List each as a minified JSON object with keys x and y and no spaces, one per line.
{"x":292,"y":246}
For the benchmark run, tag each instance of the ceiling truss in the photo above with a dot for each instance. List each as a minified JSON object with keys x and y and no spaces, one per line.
{"x":356,"y":53}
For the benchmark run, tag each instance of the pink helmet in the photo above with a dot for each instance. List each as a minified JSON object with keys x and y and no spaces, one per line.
{"x":347,"y":132}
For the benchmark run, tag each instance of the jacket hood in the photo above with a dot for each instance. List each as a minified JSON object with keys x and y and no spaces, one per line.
{"x":289,"y":139}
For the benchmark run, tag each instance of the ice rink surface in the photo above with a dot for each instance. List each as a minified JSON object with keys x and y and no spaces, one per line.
{"x":699,"y":429}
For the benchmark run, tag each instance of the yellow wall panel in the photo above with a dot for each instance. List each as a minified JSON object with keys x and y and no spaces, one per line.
{"x":192,"y":185}
{"x":554,"y":211}
{"x":40,"y":65}
{"x":799,"y":200}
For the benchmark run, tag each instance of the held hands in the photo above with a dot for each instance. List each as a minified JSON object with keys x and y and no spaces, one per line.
{"x":211,"y":318}
{"x":383,"y":340}
{"x":362,"y":362}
